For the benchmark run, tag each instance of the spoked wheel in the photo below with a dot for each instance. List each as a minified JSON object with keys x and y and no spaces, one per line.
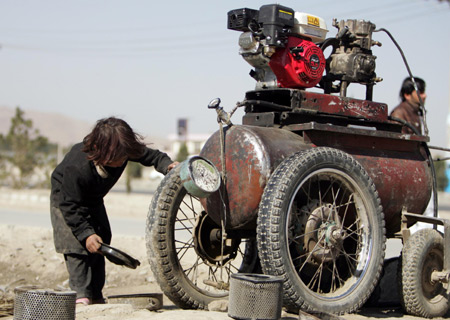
{"x":321,"y":227}
{"x":185,"y":251}
{"x":421,"y":293}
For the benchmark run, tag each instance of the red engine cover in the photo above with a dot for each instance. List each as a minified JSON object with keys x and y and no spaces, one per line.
{"x":299,"y":65}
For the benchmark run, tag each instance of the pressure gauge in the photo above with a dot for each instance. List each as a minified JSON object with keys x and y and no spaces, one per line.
{"x":199,"y":176}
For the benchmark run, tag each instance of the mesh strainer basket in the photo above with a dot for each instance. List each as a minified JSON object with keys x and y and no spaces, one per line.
{"x":255,"y":296}
{"x":33,"y":303}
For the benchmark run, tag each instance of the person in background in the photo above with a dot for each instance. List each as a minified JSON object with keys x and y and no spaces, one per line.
{"x":78,"y":185}
{"x":409,"y":111}
{"x":409,"y":108}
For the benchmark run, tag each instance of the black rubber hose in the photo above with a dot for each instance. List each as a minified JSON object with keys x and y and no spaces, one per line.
{"x":422,"y":106}
{"x":406,"y":124}
{"x":424,"y":122}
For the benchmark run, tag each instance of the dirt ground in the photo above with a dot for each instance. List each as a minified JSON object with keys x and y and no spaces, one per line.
{"x":27,"y":257}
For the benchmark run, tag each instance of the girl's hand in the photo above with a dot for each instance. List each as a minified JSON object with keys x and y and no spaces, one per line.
{"x":172,"y":165}
{"x":93,"y":243}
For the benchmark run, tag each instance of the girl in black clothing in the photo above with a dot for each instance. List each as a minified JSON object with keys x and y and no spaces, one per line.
{"x":79,"y":184}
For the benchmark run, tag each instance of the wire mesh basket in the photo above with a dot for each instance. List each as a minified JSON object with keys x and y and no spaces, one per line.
{"x":32,"y":303}
{"x":255,"y":297}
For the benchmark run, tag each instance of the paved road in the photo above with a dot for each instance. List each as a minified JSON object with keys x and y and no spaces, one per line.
{"x":136,"y":226}
{"x":129,"y":227}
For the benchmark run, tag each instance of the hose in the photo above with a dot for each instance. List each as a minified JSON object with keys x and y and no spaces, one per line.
{"x":422,"y":119}
{"x":406,"y":124}
{"x":422,"y":106}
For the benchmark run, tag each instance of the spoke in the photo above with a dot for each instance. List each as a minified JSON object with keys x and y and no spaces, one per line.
{"x":355,"y":235}
{"x":185,"y":248}
{"x":310,"y":254}
{"x":187,"y":219}
{"x":320,"y":193}
{"x":344,"y":196}
{"x":186,"y":216}
{"x":334,"y":272}
{"x":190,"y":206}
{"x":186,"y":203}
{"x":300,"y":256}
{"x":193,"y":267}
{"x":333,"y":283}
{"x":354,"y":223}
{"x":307,"y":191}
{"x":347,"y":205}
{"x":316,"y":278}
{"x":294,"y":239}
{"x":199,"y":262}
{"x":348,"y":257}
{"x":185,"y":227}
{"x":234,"y":267}
{"x":228,"y":270}
{"x":184,"y":243}
{"x":320,"y":277}
{"x":335,"y":206}
{"x":212,"y":273}
{"x":330,"y":187}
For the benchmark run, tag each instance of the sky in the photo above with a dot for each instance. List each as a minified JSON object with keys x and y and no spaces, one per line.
{"x":153,"y":62}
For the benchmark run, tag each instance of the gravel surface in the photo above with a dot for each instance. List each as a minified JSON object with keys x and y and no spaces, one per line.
{"x":27,"y":257}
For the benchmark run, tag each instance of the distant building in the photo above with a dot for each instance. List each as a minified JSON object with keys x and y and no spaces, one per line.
{"x":194,"y":142}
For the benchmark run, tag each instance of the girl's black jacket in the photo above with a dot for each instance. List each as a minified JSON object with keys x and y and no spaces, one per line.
{"x":78,"y":189}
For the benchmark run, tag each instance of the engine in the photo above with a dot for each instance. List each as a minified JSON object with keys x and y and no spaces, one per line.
{"x":286,"y":50}
{"x":299,"y":65}
{"x":279,"y":44}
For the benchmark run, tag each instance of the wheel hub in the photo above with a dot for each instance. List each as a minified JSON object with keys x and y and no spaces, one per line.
{"x":208,"y":239}
{"x":429,"y":276}
{"x":323,"y":235}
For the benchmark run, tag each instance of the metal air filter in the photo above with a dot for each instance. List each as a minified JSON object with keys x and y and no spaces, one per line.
{"x":32,"y":303}
{"x":255,"y":296}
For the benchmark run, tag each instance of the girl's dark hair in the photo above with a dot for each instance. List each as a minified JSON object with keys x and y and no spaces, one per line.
{"x":113,"y":139}
{"x":408,"y":87}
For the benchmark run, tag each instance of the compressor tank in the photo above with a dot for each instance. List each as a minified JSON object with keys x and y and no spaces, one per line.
{"x":251,"y":155}
{"x":398,"y":167}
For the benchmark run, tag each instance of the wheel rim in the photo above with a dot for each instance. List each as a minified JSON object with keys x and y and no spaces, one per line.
{"x":198,"y":255}
{"x":328,"y":230}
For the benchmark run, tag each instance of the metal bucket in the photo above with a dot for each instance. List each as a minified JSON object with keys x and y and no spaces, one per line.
{"x":32,"y":302}
{"x":255,"y":296}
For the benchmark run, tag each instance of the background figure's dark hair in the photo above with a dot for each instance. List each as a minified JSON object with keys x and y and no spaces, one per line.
{"x":408,"y":87}
{"x":113,"y":139}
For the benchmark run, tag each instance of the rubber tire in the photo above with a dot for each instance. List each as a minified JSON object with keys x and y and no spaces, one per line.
{"x":161,"y":251}
{"x":272,"y":239}
{"x":422,"y":251}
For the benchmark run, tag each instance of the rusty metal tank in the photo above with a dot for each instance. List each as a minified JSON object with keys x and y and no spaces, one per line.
{"x":251,"y":153}
{"x":397,"y":163}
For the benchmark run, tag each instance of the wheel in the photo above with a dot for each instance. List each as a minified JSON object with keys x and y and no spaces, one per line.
{"x":423,"y":254}
{"x":184,"y":248}
{"x":320,"y":226}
